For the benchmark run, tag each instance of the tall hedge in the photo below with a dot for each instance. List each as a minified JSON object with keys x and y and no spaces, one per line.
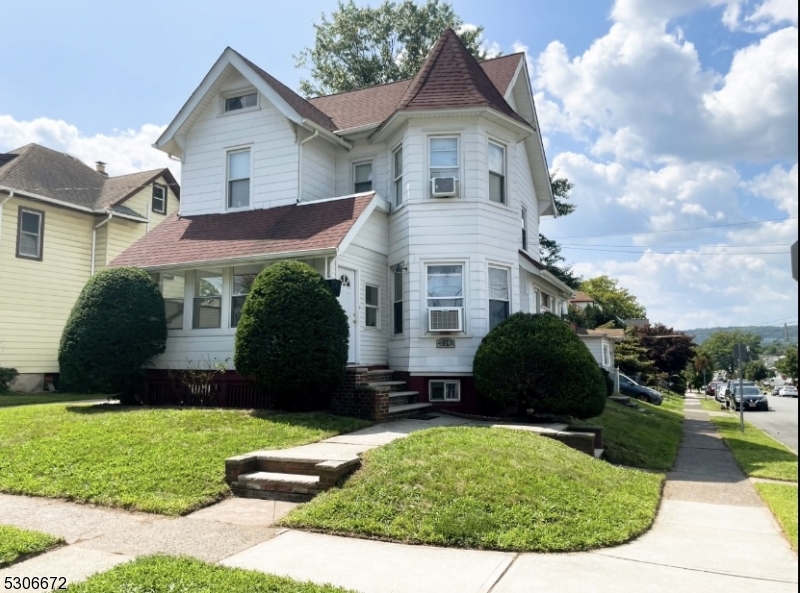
{"x":537,"y":361}
{"x":292,"y":336}
{"x":116,"y":326}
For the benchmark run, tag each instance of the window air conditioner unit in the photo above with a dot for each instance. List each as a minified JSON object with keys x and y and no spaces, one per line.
{"x":444,"y":319}
{"x":444,"y":187}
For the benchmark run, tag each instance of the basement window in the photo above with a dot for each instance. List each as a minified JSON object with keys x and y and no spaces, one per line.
{"x":444,"y":391}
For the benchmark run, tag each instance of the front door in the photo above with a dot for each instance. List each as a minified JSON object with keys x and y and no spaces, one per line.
{"x":347,"y":298}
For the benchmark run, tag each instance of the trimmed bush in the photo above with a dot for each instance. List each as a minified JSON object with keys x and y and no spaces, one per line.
{"x":537,"y":361}
{"x":116,"y":327}
{"x":7,"y":375}
{"x":292,"y":337}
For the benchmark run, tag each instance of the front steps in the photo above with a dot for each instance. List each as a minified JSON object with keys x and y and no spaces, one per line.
{"x":273,"y":476}
{"x":387,"y":398}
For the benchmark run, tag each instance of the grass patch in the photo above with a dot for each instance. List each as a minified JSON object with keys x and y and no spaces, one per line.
{"x":166,"y":574}
{"x":711,"y":405}
{"x":648,"y":439}
{"x":488,"y":488}
{"x":161,"y":460}
{"x":758,"y":454}
{"x":782,"y":501}
{"x":30,"y":399}
{"x":15,"y":543}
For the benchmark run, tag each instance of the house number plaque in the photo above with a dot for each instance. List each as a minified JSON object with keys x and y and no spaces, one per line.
{"x":445,"y":343}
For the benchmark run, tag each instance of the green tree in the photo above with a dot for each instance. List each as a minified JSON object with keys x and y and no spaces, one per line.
{"x":590,"y":317}
{"x":612,"y":298}
{"x":788,"y":364}
{"x":719,"y":348}
{"x":670,"y":351}
{"x":755,"y":370}
{"x":116,"y":327}
{"x":549,"y":249}
{"x":364,"y":46}
{"x":631,"y":358}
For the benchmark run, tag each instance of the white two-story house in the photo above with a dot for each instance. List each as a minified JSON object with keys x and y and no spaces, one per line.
{"x":423,"y":196}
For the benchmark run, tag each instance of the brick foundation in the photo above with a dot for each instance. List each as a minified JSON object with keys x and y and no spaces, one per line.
{"x":352,"y":399}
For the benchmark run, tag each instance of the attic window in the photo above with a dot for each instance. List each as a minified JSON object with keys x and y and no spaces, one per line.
{"x":159,"y":202}
{"x":241,"y":102}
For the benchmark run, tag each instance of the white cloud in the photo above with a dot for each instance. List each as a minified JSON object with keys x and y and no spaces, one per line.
{"x":124,"y":151}
{"x":762,"y":17}
{"x":780,"y":186}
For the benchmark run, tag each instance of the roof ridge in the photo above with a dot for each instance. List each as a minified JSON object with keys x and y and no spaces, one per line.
{"x":137,"y":173}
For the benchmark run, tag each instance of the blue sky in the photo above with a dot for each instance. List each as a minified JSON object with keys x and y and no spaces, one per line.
{"x":676,"y":114}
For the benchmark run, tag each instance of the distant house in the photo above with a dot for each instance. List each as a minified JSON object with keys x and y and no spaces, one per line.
{"x":60,"y":222}
{"x":601,"y":343}
{"x":422,"y":196}
{"x":581,"y":300}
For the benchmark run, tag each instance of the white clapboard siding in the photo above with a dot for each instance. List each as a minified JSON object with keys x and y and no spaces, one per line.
{"x":319,"y":170}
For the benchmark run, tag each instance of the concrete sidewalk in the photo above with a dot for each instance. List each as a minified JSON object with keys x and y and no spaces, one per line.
{"x":712,"y":533}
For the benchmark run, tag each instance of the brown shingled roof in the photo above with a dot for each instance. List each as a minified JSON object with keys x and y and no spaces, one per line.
{"x":219,"y":237}
{"x":581,"y":297}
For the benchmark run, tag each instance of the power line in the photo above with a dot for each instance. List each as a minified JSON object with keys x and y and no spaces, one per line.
{"x":672,"y":253}
{"x":696,"y":246}
{"x":697,"y":228}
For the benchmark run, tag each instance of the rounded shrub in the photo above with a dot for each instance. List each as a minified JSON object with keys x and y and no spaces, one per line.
{"x":292,"y":337}
{"x":537,"y":361}
{"x":116,"y":326}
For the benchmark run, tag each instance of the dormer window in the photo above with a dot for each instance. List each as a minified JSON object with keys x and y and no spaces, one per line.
{"x":238,"y":102}
{"x":159,"y":202}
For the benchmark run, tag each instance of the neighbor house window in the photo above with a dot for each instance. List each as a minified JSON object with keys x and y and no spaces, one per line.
{"x":446,"y":285}
{"x":497,"y":173}
{"x":239,"y":179}
{"x":30,"y":231}
{"x":498,"y":296}
{"x":243,"y":278}
{"x":443,"y":164}
{"x":362,"y":176}
{"x":444,"y":391}
{"x":547,"y":302}
{"x":524,"y":225}
{"x":159,"y":199}
{"x":171,"y":285}
{"x":606,"y":355}
{"x":397,"y":310}
{"x":207,"y":310}
{"x":371,"y":305}
{"x":398,"y":176}
{"x":241,"y":102}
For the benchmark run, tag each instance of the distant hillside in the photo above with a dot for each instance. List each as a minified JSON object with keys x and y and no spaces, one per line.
{"x":768,"y":334}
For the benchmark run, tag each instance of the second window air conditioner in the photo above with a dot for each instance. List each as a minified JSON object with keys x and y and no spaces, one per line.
{"x":444,"y":319}
{"x":444,"y":187}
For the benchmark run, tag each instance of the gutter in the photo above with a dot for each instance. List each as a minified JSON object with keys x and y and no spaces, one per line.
{"x":6,"y":199}
{"x":300,"y":164}
{"x":94,"y":238}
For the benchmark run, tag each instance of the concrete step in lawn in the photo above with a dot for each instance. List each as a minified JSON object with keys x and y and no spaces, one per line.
{"x":623,"y":400}
{"x":293,"y":486}
{"x":400,"y":398}
{"x":396,"y":412}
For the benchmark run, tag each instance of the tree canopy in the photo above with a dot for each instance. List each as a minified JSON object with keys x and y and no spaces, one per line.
{"x":550,"y":250}
{"x":360,"y":46}
{"x":719,"y":348}
{"x":788,"y":364}
{"x":670,"y":351}
{"x":612,"y":298}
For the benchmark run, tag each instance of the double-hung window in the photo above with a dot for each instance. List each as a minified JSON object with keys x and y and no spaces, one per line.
{"x":171,"y":285}
{"x":546,"y":302}
{"x":371,"y":305}
{"x":30,"y":230}
{"x":445,"y":297}
{"x":159,"y":202}
{"x":497,"y":173}
{"x":238,"y":102}
{"x":397,"y":159}
{"x":243,"y":278}
{"x":362,"y":177}
{"x":524,"y":226}
{"x":239,"y":178}
{"x":444,"y":391}
{"x":498,"y":296}
{"x":207,"y":309}
{"x":397,"y":310}
{"x":443,"y":165}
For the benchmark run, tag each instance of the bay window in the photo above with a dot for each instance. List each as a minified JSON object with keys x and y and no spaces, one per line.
{"x":443,"y":163}
{"x":497,"y":173}
{"x":524,"y":224}
{"x":498,"y":296}
{"x":397,"y":159}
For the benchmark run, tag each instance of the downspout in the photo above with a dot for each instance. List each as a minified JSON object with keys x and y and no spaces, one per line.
{"x":300,"y":165}
{"x":94,"y":238}
{"x":6,"y":199}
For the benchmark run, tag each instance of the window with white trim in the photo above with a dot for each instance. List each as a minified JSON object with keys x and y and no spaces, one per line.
{"x":397,"y":160}
{"x":606,"y":355}
{"x":362,"y":177}
{"x":546,"y":302}
{"x":444,"y":391}
{"x":524,"y":225}
{"x":243,"y":278}
{"x":497,"y":173}
{"x":246,"y":101}
{"x":207,"y":302}
{"x":159,"y":202}
{"x":443,"y":160}
{"x":397,"y":310}
{"x":30,"y":230}
{"x":499,"y":301}
{"x":239,"y":178}
{"x":445,"y":285}
{"x":371,"y":304}
{"x":171,"y":285}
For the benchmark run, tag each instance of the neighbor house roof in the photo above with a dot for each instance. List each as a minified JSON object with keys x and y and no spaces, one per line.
{"x":34,"y":169}
{"x":209,"y":238}
{"x":611,"y":333}
{"x":581,"y":297}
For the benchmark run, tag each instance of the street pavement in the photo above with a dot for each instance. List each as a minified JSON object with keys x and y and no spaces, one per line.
{"x":780,"y":422}
{"x":712,"y":534}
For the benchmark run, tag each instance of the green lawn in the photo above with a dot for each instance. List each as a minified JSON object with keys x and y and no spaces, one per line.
{"x":489,"y":488}
{"x":758,"y":454}
{"x":162,"y":460}
{"x":20,"y":542}
{"x":782,"y":501}
{"x":165,"y":574}
{"x":29,"y":399}
{"x":711,"y":405}
{"x":648,"y":439}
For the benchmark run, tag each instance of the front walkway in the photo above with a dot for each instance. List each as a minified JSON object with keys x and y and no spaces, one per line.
{"x":712,"y":534}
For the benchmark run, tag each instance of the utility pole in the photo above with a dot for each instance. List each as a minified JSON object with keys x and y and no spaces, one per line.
{"x":785,"y":334}
{"x":741,"y":351}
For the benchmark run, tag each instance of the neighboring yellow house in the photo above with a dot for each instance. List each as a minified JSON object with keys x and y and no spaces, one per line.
{"x":60,"y":222}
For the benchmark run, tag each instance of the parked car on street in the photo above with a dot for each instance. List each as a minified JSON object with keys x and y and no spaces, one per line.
{"x":747,"y":396}
{"x":631,"y":388}
{"x":719,"y":392}
{"x":788,"y":391}
{"x":776,"y":391}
